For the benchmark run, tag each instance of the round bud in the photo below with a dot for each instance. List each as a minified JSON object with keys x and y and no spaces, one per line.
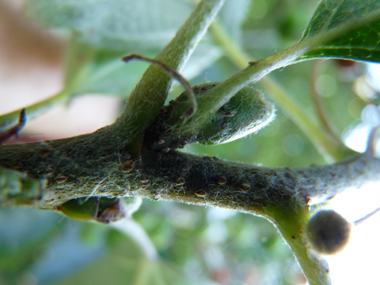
{"x":328,"y":232}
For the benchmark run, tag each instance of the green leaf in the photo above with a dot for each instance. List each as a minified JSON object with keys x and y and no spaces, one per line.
{"x":232,"y":15}
{"x":128,"y":265}
{"x":359,"y":24}
{"x":107,"y":74}
{"x":114,"y":24}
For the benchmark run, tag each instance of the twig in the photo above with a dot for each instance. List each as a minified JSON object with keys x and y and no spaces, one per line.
{"x":14,"y":131}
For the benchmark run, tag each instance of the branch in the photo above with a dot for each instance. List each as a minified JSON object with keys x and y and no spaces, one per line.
{"x":74,"y":166}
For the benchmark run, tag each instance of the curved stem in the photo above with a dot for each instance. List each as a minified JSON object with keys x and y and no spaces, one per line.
{"x":36,"y":109}
{"x":318,"y":103}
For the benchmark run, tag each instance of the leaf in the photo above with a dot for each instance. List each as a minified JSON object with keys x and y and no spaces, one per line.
{"x":357,"y":23}
{"x":24,"y":234}
{"x":126,"y":264}
{"x":114,"y":24}
{"x":109,"y":75}
{"x":232,"y":14}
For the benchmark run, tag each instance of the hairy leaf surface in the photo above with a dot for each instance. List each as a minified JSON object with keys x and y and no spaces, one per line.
{"x":114,"y":24}
{"x":358,"y":28}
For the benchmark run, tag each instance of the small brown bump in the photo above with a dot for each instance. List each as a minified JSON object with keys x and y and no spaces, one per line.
{"x":161,"y":141}
{"x":127,"y":166}
{"x":245,"y":187}
{"x":334,"y":174}
{"x":221,"y":180}
{"x":180,"y":181}
{"x":200,"y":193}
{"x":255,"y":170}
{"x":61,"y":178}
{"x":44,"y":153}
{"x":143,"y":180}
{"x":293,"y":237}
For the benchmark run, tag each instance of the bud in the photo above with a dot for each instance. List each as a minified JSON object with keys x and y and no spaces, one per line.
{"x":328,"y":232}
{"x":243,"y":114}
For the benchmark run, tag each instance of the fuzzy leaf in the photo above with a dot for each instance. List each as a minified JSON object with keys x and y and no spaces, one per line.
{"x":360,"y":19}
{"x":127,"y":265}
{"x":114,"y":24}
{"x":107,"y":74}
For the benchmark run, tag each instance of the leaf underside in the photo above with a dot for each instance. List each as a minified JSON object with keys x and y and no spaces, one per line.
{"x":113,"y":24}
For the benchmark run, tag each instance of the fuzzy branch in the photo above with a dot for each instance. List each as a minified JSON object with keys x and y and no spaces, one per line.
{"x":72,"y":167}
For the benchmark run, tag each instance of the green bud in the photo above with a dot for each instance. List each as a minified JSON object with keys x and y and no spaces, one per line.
{"x":100,"y":209}
{"x":80,"y":209}
{"x":243,"y":114}
{"x":328,"y":232}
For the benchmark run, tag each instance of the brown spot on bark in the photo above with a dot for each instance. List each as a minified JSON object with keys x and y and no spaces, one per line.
{"x":221,"y":180}
{"x":61,"y":178}
{"x":245,"y":187}
{"x":180,"y":181}
{"x":127,"y":166}
{"x":200,"y":193}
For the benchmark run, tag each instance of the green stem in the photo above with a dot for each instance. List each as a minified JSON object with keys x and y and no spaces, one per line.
{"x":148,"y":97}
{"x":36,"y":109}
{"x":291,"y":220}
{"x":324,"y":142}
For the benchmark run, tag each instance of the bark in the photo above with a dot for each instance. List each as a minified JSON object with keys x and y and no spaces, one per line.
{"x":99,"y":164}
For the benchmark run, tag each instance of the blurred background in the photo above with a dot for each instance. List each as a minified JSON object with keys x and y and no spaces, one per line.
{"x":165,"y":242}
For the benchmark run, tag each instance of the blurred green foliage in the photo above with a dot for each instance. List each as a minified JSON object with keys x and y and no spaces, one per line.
{"x":195,"y":244}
